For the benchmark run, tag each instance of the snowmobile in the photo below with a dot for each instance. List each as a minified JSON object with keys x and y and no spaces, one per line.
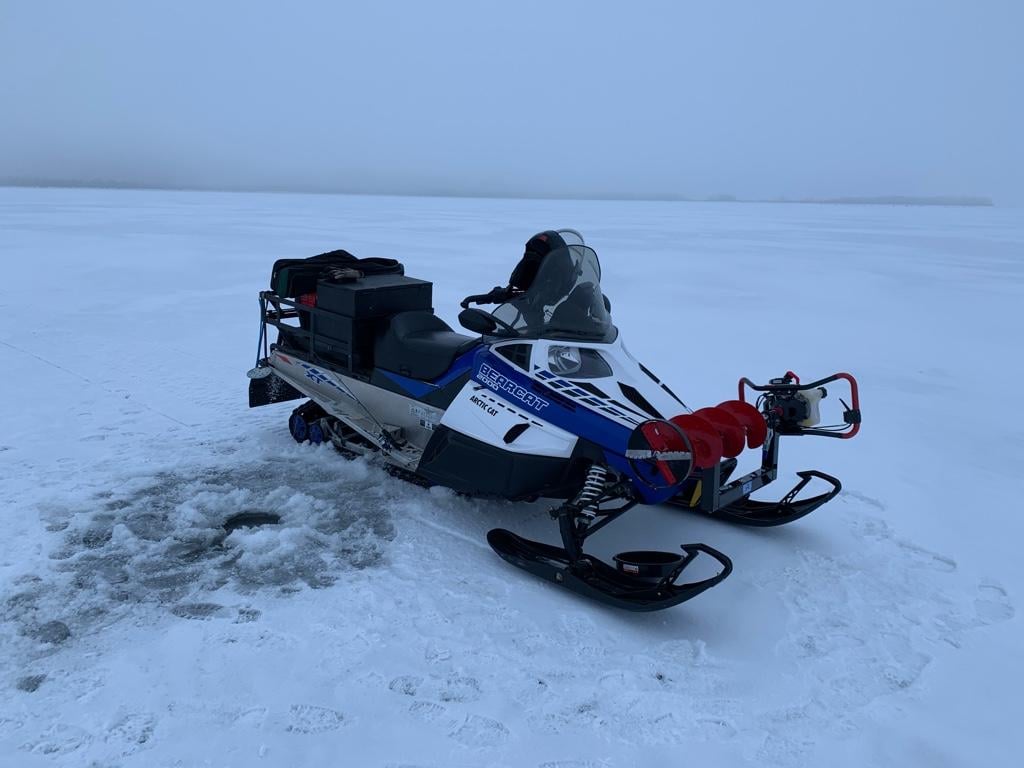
{"x":543,"y":400}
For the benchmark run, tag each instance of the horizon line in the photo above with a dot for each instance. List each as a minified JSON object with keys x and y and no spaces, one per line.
{"x":881,"y":199}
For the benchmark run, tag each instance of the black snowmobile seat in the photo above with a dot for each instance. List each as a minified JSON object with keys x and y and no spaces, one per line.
{"x":420,"y":345}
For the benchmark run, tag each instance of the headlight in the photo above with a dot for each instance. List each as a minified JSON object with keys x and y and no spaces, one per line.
{"x":577,"y":363}
{"x":564,"y":361}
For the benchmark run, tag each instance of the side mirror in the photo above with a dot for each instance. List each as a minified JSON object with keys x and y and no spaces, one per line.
{"x":477,"y":321}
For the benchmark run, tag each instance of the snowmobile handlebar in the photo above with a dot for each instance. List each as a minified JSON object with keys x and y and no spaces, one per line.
{"x":497,"y":295}
{"x":788,"y":386}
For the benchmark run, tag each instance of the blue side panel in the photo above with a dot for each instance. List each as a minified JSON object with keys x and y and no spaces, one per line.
{"x":414,"y":387}
{"x":512,"y":385}
{"x":462,"y":364}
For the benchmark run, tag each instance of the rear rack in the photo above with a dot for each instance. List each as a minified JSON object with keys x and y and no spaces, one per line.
{"x":275,"y":317}
{"x":275,"y":309}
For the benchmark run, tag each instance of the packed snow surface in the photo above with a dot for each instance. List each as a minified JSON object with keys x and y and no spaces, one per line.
{"x":372,"y":626}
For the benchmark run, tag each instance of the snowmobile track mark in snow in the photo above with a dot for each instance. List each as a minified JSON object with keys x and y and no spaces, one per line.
{"x":992,"y":604}
{"x":311,"y":719}
{"x":480,"y":731}
{"x":131,"y":733}
{"x":199,"y":611}
{"x":248,"y":615}
{"x":407,"y":685}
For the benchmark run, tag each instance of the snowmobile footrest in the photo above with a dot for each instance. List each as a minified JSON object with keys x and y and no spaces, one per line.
{"x":595,"y":579}
{"x":746,"y":511}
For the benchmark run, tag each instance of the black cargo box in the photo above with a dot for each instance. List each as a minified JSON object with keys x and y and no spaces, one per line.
{"x":374,"y":296}
{"x":355,"y":354}
{"x":346,"y":340}
{"x":351,"y":315}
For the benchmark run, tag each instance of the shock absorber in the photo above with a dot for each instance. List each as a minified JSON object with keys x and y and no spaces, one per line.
{"x":593,"y":488}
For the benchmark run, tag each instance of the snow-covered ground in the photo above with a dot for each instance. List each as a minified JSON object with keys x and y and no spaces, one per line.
{"x":373,"y":626}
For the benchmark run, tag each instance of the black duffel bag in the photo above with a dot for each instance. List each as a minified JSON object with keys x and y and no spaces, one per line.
{"x":294,"y":277}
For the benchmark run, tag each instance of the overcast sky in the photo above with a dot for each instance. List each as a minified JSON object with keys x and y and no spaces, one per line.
{"x":757,"y":98}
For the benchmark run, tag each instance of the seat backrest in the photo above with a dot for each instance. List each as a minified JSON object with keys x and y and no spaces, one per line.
{"x":406,"y":324}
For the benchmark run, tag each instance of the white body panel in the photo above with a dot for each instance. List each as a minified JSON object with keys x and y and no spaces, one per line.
{"x":477,"y":413}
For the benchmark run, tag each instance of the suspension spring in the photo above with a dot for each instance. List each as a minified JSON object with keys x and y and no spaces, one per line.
{"x":592,"y":490}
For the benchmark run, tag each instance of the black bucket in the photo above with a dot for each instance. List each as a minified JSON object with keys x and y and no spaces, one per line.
{"x":643,"y":564}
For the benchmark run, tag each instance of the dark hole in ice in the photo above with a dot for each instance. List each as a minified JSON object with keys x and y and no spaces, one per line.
{"x":29,"y":683}
{"x":250,"y":520}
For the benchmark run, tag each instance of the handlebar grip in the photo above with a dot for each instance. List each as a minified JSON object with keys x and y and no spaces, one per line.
{"x":496,"y":295}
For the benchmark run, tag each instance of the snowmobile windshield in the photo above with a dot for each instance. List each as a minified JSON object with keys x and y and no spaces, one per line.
{"x":564,"y":300}
{"x":570,"y":236}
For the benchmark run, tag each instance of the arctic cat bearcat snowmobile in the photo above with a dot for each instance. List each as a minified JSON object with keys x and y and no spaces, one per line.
{"x":543,"y":400}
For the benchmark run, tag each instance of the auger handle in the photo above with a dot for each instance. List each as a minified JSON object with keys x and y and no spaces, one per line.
{"x":851,"y":416}
{"x":853,"y":412}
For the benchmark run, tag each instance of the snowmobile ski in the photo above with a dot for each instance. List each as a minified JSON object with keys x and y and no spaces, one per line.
{"x":763,"y":514}
{"x":599,"y":581}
